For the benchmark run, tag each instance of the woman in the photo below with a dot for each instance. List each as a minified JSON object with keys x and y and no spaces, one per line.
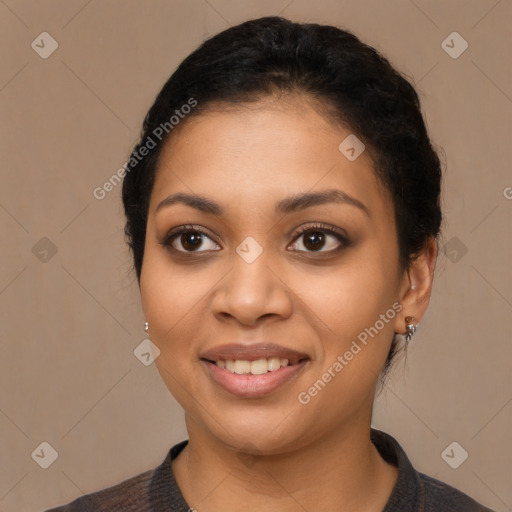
{"x":283,"y":212}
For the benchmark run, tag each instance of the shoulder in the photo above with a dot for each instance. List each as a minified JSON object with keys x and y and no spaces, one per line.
{"x":132,"y":495}
{"x":415,"y":491}
{"x":155,"y":489}
{"x":441,"y":496}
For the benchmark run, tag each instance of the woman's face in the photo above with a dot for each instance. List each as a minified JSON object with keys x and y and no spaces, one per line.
{"x":327,"y":303}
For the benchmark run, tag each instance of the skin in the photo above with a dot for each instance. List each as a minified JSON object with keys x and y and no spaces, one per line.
{"x":274,"y":452}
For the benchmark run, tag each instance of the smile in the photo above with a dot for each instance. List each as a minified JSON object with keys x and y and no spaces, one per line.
{"x":252,"y":370}
{"x":253,"y":379}
{"x":257,"y":367}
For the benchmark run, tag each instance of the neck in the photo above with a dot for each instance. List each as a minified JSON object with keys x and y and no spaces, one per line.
{"x":342,"y":471}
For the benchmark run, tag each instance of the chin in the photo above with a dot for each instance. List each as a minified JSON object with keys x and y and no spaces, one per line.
{"x":257,"y":431}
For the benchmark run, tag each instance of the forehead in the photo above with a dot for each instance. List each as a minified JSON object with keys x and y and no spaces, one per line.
{"x":254,"y":154}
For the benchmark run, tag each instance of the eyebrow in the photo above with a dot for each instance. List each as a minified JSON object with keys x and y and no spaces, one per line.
{"x":285,"y":206}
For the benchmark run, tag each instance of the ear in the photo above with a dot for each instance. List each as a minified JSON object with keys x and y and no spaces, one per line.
{"x":416,"y":286}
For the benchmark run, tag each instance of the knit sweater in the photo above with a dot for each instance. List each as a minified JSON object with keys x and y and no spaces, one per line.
{"x":157,"y":491}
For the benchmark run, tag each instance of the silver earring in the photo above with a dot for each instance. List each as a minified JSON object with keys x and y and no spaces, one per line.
{"x":146,"y":326}
{"x":410,"y":326}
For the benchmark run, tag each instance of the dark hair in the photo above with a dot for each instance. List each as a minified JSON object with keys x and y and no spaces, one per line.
{"x":357,"y":87}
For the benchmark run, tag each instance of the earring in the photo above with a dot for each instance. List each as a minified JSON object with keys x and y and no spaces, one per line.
{"x":410,"y":326}
{"x":146,"y":326}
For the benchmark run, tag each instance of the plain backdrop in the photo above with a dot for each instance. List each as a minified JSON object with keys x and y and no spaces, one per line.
{"x":71,"y":316}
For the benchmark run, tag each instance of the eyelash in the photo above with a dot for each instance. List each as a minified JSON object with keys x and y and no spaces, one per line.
{"x":322,"y":228}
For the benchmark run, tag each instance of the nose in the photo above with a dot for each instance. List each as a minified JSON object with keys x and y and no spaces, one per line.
{"x":251,"y":291}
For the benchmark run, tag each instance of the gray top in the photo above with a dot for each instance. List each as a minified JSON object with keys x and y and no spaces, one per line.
{"x":157,"y":491}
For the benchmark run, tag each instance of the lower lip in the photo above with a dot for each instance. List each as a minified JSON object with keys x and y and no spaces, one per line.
{"x":252,"y":386}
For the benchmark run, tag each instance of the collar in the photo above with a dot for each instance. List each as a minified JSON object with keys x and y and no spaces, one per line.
{"x":165,"y":494}
{"x":408,"y":488}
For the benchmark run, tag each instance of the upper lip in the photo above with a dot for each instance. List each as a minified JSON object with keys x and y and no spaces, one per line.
{"x":252,"y":352}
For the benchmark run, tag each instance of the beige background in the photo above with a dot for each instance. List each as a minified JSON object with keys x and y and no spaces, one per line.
{"x":71,"y":320}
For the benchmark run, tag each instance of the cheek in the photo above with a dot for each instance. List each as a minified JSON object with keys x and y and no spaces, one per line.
{"x":174,"y":298}
{"x":168,"y":300}
{"x":167,"y":291}
{"x":349,"y":297}
{"x":353,"y":306}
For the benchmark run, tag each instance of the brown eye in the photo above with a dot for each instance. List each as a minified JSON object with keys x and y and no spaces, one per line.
{"x":316,"y":238}
{"x":191,"y":239}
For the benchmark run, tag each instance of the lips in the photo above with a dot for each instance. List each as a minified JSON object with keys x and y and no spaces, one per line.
{"x":252,"y":371}
{"x":253,"y":352}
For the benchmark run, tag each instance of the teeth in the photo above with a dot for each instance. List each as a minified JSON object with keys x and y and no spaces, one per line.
{"x":242,"y":367}
{"x":257,"y":367}
{"x":274,"y":363}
